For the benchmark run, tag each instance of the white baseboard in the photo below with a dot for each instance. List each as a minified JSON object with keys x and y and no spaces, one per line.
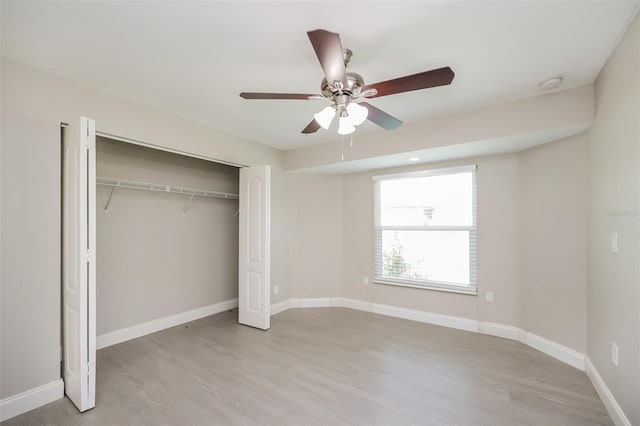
{"x":31,"y":399}
{"x":556,"y":350}
{"x":614,"y":409}
{"x":139,"y":330}
{"x":392,"y":311}
{"x":345,"y":302}
{"x":499,"y":330}
{"x":320,"y":302}
{"x":276,"y":308}
{"x":427,"y":317}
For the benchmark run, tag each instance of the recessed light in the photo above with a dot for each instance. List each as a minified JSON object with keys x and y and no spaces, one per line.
{"x":414,"y":158}
{"x":552,"y":83}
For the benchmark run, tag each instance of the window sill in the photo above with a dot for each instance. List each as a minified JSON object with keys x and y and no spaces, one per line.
{"x":435,"y":286}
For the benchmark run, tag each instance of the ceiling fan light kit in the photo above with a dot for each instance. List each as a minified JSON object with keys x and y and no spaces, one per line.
{"x":357,"y":113}
{"x":325,"y":117}
{"x":345,"y":126}
{"x":350,"y":115}
{"x":345,"y":89}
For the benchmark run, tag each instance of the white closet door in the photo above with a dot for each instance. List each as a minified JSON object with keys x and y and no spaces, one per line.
{"x":78,"y":263}
{"x":254,"y":257}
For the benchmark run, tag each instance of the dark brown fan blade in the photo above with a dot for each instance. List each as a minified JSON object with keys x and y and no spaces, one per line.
{"x":423,"y":80}
{"x":294,"y":96}
{"x":381,"y":118}
{"x":311,"y":127}
{"x":329,"y":52}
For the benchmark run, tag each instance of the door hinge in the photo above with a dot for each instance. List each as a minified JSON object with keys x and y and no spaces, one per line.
{"x":90,"y":367}
{"x":86,"y":256}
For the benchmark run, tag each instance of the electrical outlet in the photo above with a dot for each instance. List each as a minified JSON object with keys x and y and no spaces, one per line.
{"x":614,"y":354}
{"x":365,"y":280}
{"x":276,"y":289}
{"x":614,"y":242}
{"x":488,"y":296}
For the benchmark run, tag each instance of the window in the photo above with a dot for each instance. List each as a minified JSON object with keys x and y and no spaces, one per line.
{"x":425,"y":229}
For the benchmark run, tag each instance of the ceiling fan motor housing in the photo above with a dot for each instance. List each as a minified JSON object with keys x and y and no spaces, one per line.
{"x":355,"y":82}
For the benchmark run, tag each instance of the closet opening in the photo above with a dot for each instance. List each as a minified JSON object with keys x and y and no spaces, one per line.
{"x":166,"y":239}
{"x":151,"y":240}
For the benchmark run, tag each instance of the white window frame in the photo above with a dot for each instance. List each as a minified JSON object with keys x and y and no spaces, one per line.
{"x":472,"y":288}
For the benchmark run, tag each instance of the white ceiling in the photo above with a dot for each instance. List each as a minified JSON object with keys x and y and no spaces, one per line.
{"x":193,"y":58}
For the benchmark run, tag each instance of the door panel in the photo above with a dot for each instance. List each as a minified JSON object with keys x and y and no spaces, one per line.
{"x":254,"y":287}
{"x":254,"y":190}
{"x":254,"y":275}
{"x":78,"y":262}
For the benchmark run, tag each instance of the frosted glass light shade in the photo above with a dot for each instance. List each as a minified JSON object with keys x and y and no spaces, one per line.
{"x":358,"y":113}
{"x":325,"y":117}
{"x":346,"y":126}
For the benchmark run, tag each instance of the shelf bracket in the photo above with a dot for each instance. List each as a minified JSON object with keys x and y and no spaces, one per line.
{"x":106,"y":206}
{"x":188,"y":205}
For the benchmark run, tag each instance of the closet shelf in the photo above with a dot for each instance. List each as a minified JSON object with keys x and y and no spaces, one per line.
{"x":163,"y":188}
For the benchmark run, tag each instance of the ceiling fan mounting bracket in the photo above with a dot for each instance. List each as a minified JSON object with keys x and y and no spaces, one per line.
{"x":346,"y":55}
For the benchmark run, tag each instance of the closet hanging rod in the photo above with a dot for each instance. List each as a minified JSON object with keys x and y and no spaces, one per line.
{"x":163,"y":188}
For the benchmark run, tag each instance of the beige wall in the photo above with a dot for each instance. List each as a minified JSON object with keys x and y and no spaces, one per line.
{"x":154,"y":259}
{"x":34,"y":103}
{"x":282,"y":236}
{"x":553,"y":242}
{"x":614,"y":203}
{"x":532,"y":260}
{"x":316,"y":268}
{"x":498,"y":237}
{"x":30,"y":249}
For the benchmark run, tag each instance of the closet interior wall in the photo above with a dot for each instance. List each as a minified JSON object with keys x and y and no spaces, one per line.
{"x":158,"y":253}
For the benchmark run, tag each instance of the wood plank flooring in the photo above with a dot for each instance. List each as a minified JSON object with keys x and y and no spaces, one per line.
{"x":328,"y":366}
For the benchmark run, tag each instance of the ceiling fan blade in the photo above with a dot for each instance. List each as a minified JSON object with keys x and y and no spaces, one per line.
{"x":423,"y":80}
{"x":329,"y":52}
{"x":381,"y":118}
{"x":311,"y":127}
{"x":294,"y":96}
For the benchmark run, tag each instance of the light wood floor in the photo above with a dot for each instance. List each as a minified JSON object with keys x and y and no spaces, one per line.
{"x":328,"y":366}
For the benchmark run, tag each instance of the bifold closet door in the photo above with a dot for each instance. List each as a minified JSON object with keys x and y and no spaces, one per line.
{"x":79,"y":262}
{"x":254,"y":287}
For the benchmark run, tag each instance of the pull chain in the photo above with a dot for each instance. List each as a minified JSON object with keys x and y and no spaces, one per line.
{"x":342,"y":148}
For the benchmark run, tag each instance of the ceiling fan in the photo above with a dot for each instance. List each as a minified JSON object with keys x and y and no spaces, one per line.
{"x":346,"y":89}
